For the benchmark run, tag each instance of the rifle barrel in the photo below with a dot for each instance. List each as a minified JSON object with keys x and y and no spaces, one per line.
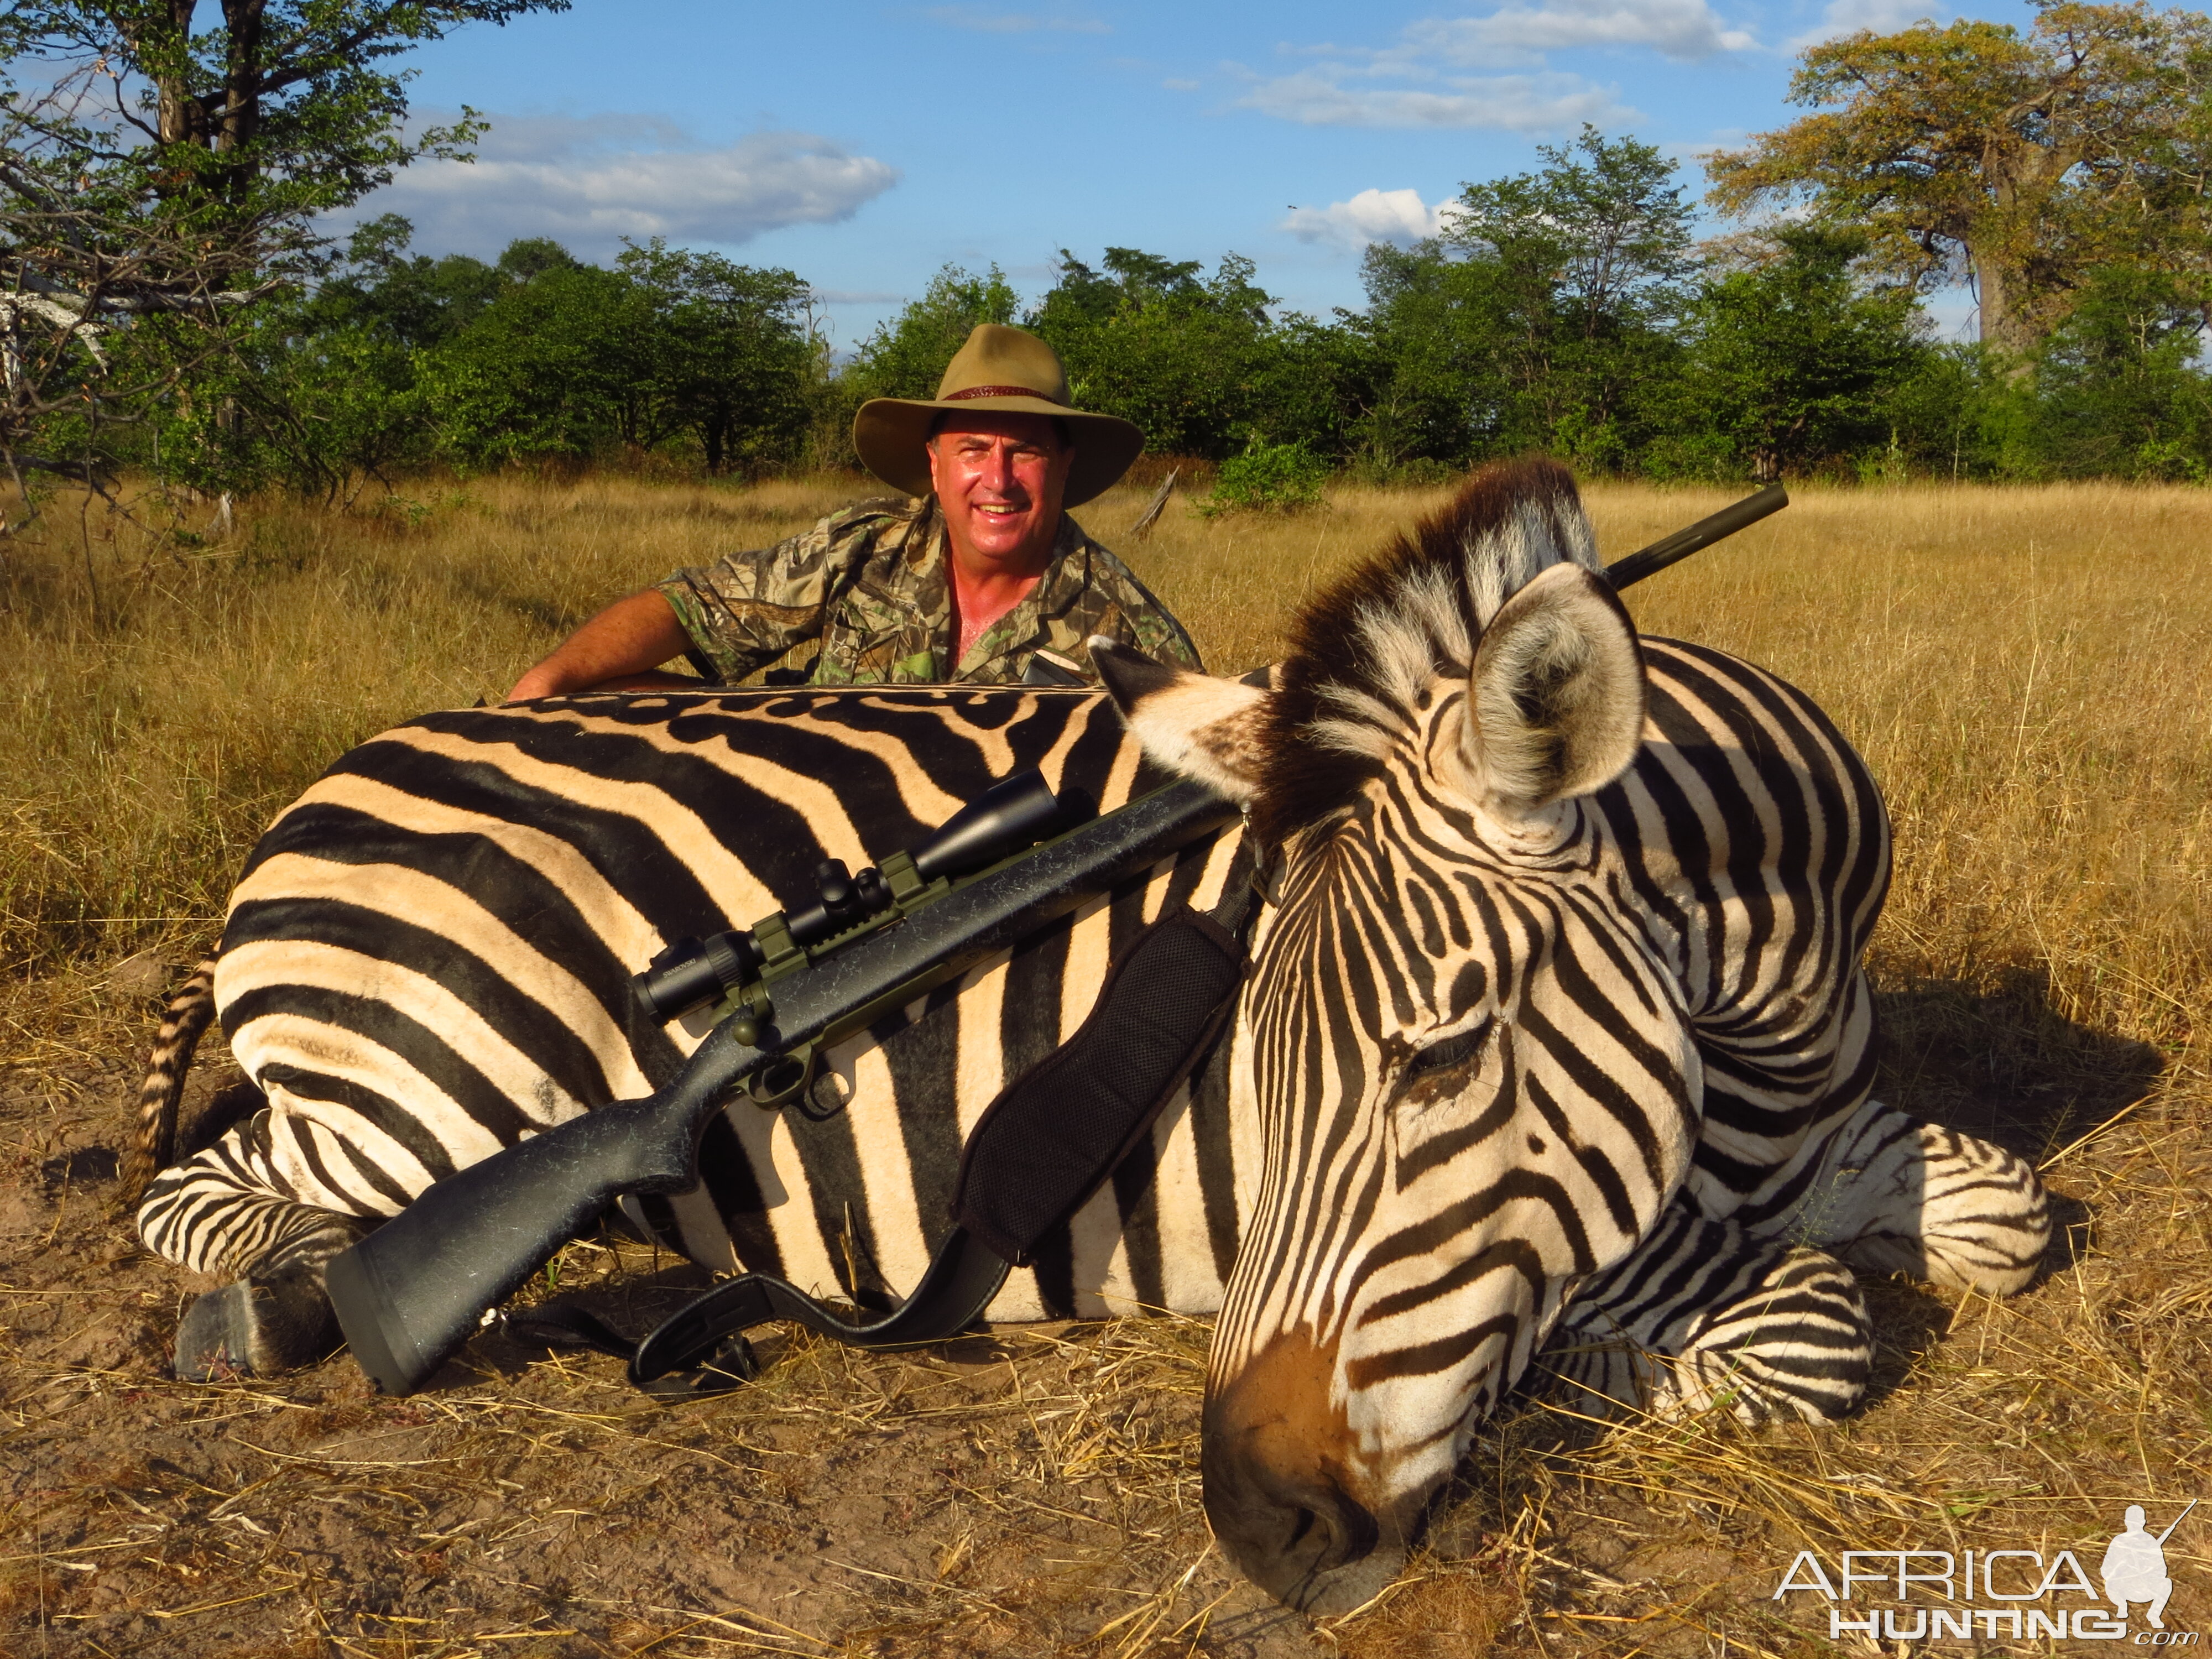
{"x":2178,"y":1520}
{"x":1673,"y":550}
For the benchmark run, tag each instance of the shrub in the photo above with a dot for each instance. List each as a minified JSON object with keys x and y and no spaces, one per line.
{"x":1267,"y":478}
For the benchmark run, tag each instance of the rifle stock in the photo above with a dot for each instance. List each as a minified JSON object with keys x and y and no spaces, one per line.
{"x":413,"y":1290}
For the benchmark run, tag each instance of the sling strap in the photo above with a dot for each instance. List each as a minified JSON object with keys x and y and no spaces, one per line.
{"x":1051,"y":1139}
{"x":1054,"y":1135}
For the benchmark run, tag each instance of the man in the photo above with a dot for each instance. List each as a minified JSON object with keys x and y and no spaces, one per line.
{"x":977,"y":578}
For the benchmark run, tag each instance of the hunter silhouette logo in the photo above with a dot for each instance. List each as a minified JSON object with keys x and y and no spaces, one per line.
{"x":1932,"y":1594}
{"x":2135,"y":1566}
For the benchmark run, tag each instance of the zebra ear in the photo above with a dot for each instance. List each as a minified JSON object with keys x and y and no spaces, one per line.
{"x":1191,"y":724}
{"x":1555,"y":700}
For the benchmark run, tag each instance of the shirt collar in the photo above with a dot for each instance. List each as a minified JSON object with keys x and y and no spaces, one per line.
{"x":1057,"y":590}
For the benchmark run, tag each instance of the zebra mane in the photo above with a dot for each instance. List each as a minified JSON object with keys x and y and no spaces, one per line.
{"x":1363,"y":653}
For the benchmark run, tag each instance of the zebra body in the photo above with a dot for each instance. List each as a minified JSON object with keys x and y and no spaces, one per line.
{"x":428,"y":957}
{"x":1555,"y":1029}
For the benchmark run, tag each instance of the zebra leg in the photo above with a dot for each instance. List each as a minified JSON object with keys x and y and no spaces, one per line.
{"x":1911,"y":1196}
{"x":1703,"y":1315}
{"x":224,"y":1211}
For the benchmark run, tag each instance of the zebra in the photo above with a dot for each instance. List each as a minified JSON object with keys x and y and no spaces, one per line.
{"x":1555,"y":1035}
{"x":428,"y":956}
{"x":1555,"y":1027}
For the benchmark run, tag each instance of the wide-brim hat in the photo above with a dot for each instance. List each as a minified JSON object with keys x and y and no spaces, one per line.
{"x":1005,"y":370}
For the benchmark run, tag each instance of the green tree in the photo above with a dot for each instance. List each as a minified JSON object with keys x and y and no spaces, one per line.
{"x":1183,"y":355}
{"x":1959,"y":414}
{"x":729,"y":356}
{"x":2018,"y":162}
{"x":1431,"y":324}
{"x":552,"y":367}
{"x":158,"y":178}
{"x":1544,"y":315}
{"x":415,"y":301}
{"x":1317,"y":385}
{"x":2120,"y":388}
{"x":669,"y":347}
{"x":1790,"y":360}
{"x":906,"y":356}
{"x":1581,"y":263}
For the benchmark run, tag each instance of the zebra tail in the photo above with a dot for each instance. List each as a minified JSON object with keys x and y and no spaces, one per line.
{"x":154,"y":1136}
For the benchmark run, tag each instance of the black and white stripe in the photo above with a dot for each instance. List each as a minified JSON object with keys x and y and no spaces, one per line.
{"x":428,"y":957}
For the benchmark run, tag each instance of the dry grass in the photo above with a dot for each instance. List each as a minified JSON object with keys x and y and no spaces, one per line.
{"x":2030,"y":682}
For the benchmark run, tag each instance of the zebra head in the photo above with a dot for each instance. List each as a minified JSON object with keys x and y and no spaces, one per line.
{"x":1470,"y":1069}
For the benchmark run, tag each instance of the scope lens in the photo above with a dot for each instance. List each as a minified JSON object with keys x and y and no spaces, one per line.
{"x":1005,"y":818}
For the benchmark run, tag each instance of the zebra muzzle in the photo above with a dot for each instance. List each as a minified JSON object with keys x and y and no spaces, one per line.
{"x":1279,"y":1493}
{"x":1293,"y":1528}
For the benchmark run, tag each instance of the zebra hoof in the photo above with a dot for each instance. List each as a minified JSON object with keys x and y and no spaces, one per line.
{"x":257,"y":1328}
{"x":214,"y":1340}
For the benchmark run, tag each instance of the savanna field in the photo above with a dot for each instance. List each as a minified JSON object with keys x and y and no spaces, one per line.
{"x":2029,"y":671}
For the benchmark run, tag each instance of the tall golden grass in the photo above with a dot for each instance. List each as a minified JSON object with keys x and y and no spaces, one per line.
{"x":2029,"y":671}
{"x":2024,"y":668}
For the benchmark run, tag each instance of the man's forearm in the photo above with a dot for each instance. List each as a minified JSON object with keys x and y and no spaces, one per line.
{"x":616,"y":650}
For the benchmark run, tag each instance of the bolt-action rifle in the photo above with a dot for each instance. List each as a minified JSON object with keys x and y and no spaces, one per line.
{"x":412,"y":1291}
{"x":788,"y":988}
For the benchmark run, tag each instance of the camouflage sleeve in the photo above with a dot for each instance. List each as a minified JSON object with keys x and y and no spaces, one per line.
{"x":746,"y":610}
{"x":1145,"y":624}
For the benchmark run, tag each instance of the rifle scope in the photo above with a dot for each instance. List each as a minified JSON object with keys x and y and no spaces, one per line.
{"x":998,"y":823}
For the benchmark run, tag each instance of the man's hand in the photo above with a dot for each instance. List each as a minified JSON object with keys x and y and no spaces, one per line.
{"x":615,"y":651}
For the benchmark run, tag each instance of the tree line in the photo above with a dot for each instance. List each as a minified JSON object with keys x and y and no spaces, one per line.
{"x":173,"y":307}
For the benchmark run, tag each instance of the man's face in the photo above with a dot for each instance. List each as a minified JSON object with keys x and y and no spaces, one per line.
{"x":1000,"y":479}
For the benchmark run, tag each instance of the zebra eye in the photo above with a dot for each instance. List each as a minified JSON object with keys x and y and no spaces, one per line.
{"x":1439,"y":1072}
{"x":1452,"y":1053}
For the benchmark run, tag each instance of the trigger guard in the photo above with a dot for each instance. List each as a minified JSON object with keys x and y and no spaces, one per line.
{"x":781,"y":1080}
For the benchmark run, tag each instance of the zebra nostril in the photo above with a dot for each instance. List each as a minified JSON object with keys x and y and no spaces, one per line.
{"x":1285,"y":1531}
{"x":1347,"y":1532}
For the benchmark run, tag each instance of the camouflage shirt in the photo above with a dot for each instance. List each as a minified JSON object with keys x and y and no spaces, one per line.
{"x":869,"y":582}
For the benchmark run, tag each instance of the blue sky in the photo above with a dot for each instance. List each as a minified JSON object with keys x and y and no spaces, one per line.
{"x":864,"y":146}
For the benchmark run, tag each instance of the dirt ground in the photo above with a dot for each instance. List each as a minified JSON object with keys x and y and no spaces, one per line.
{"x":927,"y":1503}
{"x":1036,"y":1491}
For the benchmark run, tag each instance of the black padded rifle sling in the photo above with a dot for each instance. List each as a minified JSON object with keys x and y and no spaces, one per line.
{"x":1052,"y":1138}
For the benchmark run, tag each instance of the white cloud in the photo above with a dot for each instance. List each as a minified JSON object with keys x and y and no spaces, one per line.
{"x":1372,"y":215}
{"x":589,"y":182}
{"x":1684,"y":29}
{"x":1513,"y":103}
{"x":988,"y":23}
{"x":1882,"y":16}
{"x":1442,"y":72}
